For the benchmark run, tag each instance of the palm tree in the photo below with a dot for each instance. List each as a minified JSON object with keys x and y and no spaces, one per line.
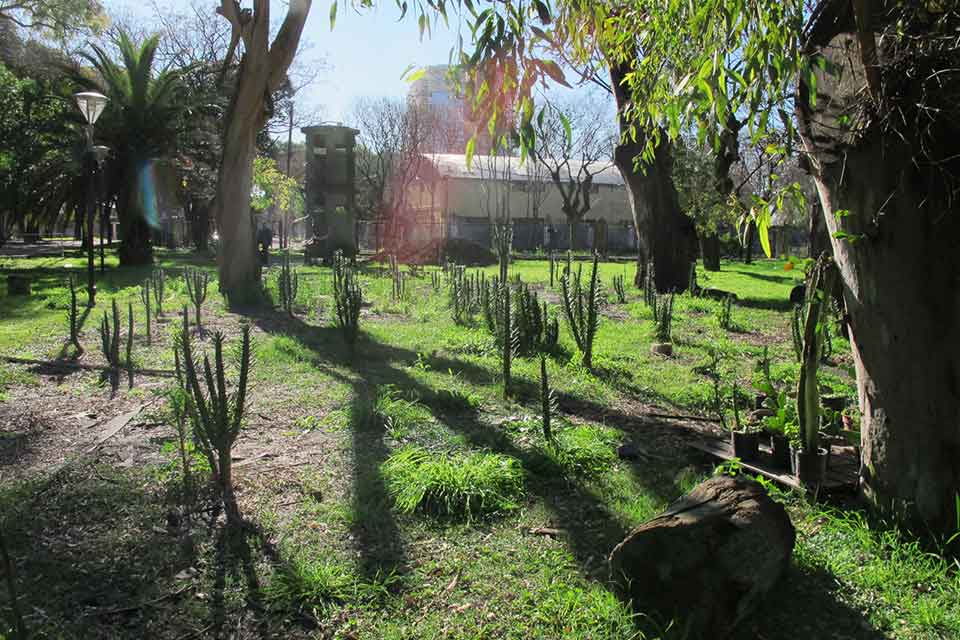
{"x":139,"y":125}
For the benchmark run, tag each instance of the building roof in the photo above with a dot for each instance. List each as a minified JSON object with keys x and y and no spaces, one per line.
{"x":454,"y":165}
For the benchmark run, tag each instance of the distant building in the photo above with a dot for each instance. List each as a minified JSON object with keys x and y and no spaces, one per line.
{"x":450,"y":200}
{"x":453,"y":121}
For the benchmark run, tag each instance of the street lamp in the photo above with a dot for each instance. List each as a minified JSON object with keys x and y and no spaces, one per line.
{"x":91,"y":105}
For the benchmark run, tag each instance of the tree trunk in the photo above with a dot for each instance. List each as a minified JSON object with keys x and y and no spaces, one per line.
{"x":262,"y":70}
{"x":900,"y":284}
{"x":819,"y":239}
{"x":200,"y":224}
{"x":748,"y":243}
{"x":135,"y":231}
{"x":710,"y":250}
{"x":665,"y":234}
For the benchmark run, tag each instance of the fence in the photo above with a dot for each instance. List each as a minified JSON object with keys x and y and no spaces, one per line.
{"x":528,"y":235}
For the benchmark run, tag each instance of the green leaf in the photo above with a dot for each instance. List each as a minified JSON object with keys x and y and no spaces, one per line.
{"x":333,"y":14}
{"x":555,"y":72}
{"x":763,"y":230}
{"x":471,"y":149}
{"x":567,"y":131}
{"x":412,"y":76}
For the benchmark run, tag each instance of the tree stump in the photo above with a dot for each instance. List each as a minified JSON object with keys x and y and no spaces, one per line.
{"x":18,"y":285}
{"x":708,"y":560}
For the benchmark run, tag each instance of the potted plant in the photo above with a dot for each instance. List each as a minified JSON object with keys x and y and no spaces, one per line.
{"x":663,"y":324}
{"x":811,"y":458}
{"x":782,"y":422}
{"x":745,"y":438}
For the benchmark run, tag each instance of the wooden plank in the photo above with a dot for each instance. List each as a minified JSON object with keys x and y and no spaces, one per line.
{"x":114,"y":427}
{"x":841,"y":475}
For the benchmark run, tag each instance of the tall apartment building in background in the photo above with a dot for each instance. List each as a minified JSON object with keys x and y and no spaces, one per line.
{"x":453,"y":122}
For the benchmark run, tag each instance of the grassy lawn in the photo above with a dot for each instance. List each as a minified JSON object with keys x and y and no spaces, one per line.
{"x":340,"y":461}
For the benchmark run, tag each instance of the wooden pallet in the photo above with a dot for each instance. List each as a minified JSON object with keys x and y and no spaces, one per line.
{"x":841,"y":476}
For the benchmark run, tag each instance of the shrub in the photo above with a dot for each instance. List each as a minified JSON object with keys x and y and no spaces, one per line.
{"x":724,"y":313}
{"x":582,"y":451}
{"x":287,"y":284}
{"x":466,"y":485}
{"x":348,"y":298}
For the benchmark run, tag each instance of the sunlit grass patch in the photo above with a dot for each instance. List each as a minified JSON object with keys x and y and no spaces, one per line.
{"x":466,"y":485}
{"x":315,"y":582}
{"x":584,"y":451}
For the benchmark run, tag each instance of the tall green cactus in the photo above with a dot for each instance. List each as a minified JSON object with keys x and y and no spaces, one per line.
{"x":548,"y":401}
{"x":145,"y":298}
{"x":217,"y":413}
{"x":73,"y":317}
{"x":582,"y":308}
{"x":129,"y":360}
{"x":620,"y":289}
{"x":348,"y":299}
{"x":287,"y":284}
{"x":663,"y":318}
{"x":158,"y":279}
{"x":509,"y":340}
{"x":821,"y":279}
{"x":110,"y":343}
{"x":502,"y":245}
{"x":197,"y":281}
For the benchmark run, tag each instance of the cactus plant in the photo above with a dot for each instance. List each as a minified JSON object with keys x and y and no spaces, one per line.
{"x":348,"y":299}
{"x":548,"y":401}
{"x":820,"y":279}
{"x":581,"y":308}
{"x":217,"y":413}
{"x":73,"y":317}
{"x":620,"y":289}
{"x":553,"y":268}
{"x":502,"y":244}
{"x":129,"y":359}
{"x":157,"y":281}
{"x":435,"y":281}
{"x":508,"y":341}
{"x":724,"y":313}
{"x":649,"y":287}
{"x":145,"y":298}
{"x":663,"y":318}
{"x":110,"y":343}
{"x":287,"y":284}
{"x":197,"y":281}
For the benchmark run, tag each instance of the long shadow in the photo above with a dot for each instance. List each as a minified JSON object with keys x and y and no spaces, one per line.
{"x":592,"y":528}
{"x":766,"y":304}
{"x":768,"y":278}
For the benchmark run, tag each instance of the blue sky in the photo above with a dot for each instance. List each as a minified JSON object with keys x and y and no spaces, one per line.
{"x":365,"y":55}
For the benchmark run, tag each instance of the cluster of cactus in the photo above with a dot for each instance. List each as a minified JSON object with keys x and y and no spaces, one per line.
{"x":539,"y":332}
{"x":110,"y":343}
{"x":348,"y":299}
{"x":553,"y":268}
{"x":581,"y":306}
{"x":692,"y":287}
{"x":466,"y":293}
{"x":73,"y":317}
{"x":725,"y":313}
{"x":649,"y":286}
{"x":620,"y":289}
{"x":157,"y":281}
{"x":215,"y":413}
{"x":287,"y":284}
{"x":146,"y":298}
{"x":399,"y":285}
{"x":663,"y":317}
{"x":436,"y":281}
{"x":502,"y":245}
{"x":416,"y":270}
{"x":197,"y":281}
{"x":548,"y":401}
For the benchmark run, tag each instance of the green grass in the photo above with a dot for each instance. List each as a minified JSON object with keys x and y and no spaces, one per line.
{"x":468,"y":485}
{"x":372,"y":516}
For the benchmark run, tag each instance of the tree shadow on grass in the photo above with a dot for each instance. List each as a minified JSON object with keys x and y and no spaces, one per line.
{"x":591,"y":527}
{"x":806,"y":604}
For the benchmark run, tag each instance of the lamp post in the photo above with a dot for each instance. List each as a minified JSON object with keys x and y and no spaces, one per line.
{"x":91,"y":105}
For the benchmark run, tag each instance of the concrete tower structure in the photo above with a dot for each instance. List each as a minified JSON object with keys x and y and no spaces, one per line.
{"x":331,"y":189}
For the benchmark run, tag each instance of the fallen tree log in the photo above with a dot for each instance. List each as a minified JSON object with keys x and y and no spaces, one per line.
{"x":708,"y":561}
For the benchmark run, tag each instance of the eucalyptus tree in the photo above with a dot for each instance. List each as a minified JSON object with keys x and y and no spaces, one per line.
{"x":262,"y":70}
{"x":139,"y":125}
{"x":58,"y":18}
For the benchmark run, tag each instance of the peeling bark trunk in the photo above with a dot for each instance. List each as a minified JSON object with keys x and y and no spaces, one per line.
{"x":262,"y":70}
{"x":664,"y":233}
{"x":900,"y":284}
